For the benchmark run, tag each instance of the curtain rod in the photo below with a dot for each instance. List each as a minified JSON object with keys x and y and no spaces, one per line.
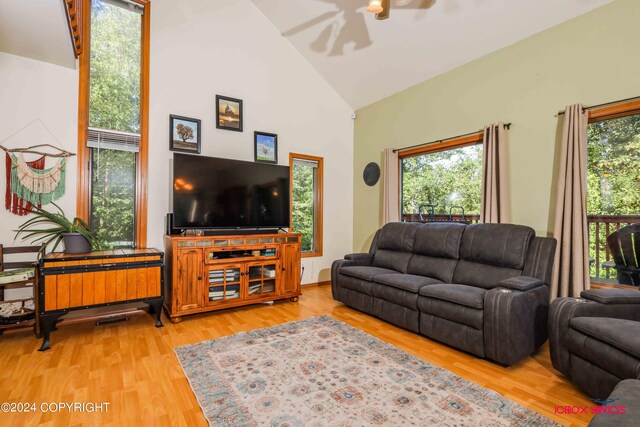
{"x":561,"y":113}
{"x":395,"y":150}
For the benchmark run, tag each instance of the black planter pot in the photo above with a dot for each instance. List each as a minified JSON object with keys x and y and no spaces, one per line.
{"x":75,"y":243}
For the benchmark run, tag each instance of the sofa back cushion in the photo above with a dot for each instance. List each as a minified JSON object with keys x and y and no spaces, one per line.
{"x":490,"y":253}
{"x":436,"y":249}
{"x":502,"y":245}
{"x":395,"y":242}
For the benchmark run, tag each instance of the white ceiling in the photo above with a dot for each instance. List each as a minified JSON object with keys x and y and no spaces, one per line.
{"x":366,"y":60}
{"x":36,"y":29}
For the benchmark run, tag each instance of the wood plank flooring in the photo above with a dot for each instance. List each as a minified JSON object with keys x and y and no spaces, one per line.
{"x":132,"y":365}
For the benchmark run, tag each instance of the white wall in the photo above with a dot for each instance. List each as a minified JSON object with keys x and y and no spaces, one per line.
{"x":201,"y":48}
{"x":31,"y":90}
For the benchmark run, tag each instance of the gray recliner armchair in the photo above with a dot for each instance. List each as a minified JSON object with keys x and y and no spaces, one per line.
{"x":595,"y":340}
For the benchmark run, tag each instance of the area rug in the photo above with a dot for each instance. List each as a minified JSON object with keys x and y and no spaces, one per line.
{"x":322,"y":372}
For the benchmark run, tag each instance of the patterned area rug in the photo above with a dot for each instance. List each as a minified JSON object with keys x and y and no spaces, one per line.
{"x":322,"y":372}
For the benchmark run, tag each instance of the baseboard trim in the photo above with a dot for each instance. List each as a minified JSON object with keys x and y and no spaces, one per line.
{"x":326,"y":282}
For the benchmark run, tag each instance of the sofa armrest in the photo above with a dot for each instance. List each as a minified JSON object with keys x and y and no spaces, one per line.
{"x":561,"y":312}
{"x":521,"y":283}
{"x":515,"y":323}
{"x":359,"y":257}
{"x":335,"y":271}
{"x":612,"y":296}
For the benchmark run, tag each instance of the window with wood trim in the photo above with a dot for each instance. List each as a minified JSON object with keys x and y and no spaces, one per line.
{"x":442,"y":181}
{"x":306,"y":201}
{"x":613,"y":192}
{"x":113,"y":115}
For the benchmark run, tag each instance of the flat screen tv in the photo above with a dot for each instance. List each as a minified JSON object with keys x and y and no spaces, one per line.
{"x":215,"y":193}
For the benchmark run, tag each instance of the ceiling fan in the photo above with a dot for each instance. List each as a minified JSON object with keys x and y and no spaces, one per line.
{"x":381,"y":7}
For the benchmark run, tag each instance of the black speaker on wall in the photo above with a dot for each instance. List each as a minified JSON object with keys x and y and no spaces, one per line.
{"x":168,"y":226}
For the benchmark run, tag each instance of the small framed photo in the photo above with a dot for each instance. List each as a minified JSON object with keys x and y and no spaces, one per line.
{"x":228,"y":113}
{"x":184,"y":134}
{"x":266,"y":147}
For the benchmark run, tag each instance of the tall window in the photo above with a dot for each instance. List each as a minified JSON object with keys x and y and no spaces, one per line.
{"x":442,"y":181}
{"x":306,"y":201}
{"x":113,"y":132}
{"x":613,"y":184}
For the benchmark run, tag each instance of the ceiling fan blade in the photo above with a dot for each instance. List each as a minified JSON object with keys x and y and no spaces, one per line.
{"x":386,"y":5}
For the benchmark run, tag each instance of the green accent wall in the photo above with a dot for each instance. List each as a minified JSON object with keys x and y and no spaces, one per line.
{"x":591,"y":59}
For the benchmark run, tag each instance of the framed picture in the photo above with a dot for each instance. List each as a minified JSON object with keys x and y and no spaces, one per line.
{"x":266,"y":147}
{"x":228,"y":113}
{"x":184,"y":134}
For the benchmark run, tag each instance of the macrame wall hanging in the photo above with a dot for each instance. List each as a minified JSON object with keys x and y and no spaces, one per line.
{"x":29,"y":183}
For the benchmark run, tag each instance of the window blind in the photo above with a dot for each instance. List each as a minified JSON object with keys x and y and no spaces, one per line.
{"x":113,"y":140}
{"x":126,"y":4}
{"x":305,"y":163}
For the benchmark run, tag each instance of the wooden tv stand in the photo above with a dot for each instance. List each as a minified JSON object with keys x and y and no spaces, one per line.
{"x":206,"y":273}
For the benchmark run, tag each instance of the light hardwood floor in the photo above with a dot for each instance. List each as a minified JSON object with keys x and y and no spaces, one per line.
{"x":132,"y":365}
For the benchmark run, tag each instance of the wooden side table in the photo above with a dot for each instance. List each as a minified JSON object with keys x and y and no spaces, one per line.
{"x":97,"y":279}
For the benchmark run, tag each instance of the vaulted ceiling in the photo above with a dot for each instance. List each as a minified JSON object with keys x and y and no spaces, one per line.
{"x":366,"y":60}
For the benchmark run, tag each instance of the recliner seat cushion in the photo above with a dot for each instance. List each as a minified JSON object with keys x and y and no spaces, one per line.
{"x":619,"y":333}
{"x":407,"y":282}
{"x":482,"y":275}
{"x":468,"y":296}
{"x":365,"y":272}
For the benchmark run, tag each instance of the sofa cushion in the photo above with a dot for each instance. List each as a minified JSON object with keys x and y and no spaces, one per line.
{"x":396,"y":296}
{"x":365,"y":272}
{"x":469,"y":296}
{"x":619,"y":333}
{"x":395,"y":260}
{"x":482,"y":275}
{"x":503,"y":245}
{"x":397,"y":236}
{"x":455,"y":312}
{"x":439,"y":268}
{"x":438,"y":239}
{"x":407,"y":282}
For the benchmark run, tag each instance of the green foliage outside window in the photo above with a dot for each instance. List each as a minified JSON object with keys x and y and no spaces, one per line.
{"x":613,"y":176}
{"x":302,"y":218}
{"x":446,"y":178}
{"x":114,"y":104}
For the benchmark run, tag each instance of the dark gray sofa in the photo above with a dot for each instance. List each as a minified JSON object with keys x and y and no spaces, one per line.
{"x":482,"y":288}
{"x":595,"y":339}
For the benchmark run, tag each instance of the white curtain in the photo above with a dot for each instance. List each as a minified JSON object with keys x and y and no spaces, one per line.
{"x":494,"y":203}
{"x":390,"y":196}
{"x":571,"y":266}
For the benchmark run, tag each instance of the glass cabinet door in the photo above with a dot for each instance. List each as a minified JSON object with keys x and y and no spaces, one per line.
{"x":262,"y":279}
{"x":224,"y":283}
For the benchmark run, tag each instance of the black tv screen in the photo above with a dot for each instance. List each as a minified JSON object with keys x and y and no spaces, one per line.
{"x":210,"y":192}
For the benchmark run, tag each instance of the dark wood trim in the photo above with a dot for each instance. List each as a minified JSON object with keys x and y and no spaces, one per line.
{"x":325,"y":283}
{"x":450,"y":144}
{"x":317,"y":201}
{"x":84,"y":153}
{"x":73,"y":9}
{"x":609,"y":112}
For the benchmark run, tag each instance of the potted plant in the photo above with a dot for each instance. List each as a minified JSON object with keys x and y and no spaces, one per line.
{"x":53,"y":227}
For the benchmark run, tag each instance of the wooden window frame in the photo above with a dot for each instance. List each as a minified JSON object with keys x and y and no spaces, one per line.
{"x":608,"y":112}
{"x":317,"y":201}
{"x":84,"y":152}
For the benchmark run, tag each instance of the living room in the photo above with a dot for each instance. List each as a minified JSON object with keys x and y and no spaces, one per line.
{"x":342,"y":107}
